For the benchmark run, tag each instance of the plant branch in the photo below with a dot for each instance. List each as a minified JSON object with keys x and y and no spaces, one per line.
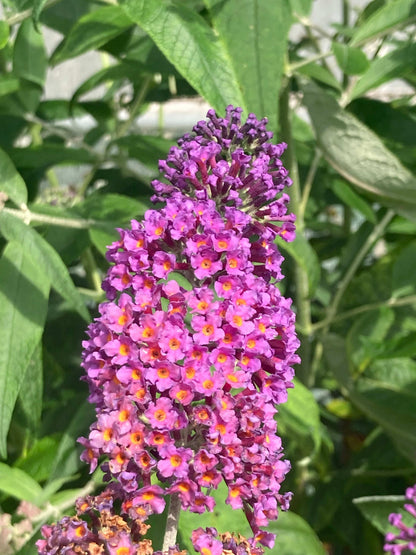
{"x":343,"y":284}
{"x":303,"y":304}
{"x":135,"y":106}
{"x":392,"y":302}
{"x":307,"y":187}
{"x":172,"y":522}
{"x":21,"y":16}
{"x":27,"y":216}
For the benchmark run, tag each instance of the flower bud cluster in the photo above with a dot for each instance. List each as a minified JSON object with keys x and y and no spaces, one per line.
{"x":97,"y":529}
{"x":405,"y":539}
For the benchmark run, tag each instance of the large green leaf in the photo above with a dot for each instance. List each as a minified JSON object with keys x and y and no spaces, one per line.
{"x":44,"y":257}
{"x":10,"y":181}
{"x":4,"y":34}
{"x":295,"y":536}
{"x":196,"y":51}
{"x":395,"y":13}
{"x":255,"y":33}
{"x":17,"y":483}
{"x":91,"y":31}
{"x":23,"y":304}
{"x":393,"y":65}
{"x":8,"y":84}
{"x":29,"y":54}
{"x":377,"y":508}
{"x":358,"y":154}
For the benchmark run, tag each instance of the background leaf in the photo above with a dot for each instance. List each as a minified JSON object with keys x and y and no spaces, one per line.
{"x":20,"y":485}
{"x":393,"y":14}
{"x":11,"y":182}
{"x":191,"y":46}
{"x":393,"y":65}
{"x":343,"y":138}
{"x":91,"y":31}
{"x":351,"y":60}
{"x":46,"y":258}
{"x":29,"y":54}
{"x":255,"y":36}
{"x":23,"y":304}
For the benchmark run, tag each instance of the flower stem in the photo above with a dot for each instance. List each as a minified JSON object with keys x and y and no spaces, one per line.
{"x":27,"y":216}
{"x":303,"y":304}
{"x":172,"y":522}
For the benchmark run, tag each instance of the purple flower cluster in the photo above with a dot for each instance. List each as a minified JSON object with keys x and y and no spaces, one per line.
{"x":405,"y":539}
{"x":195,"y":346}
{"x":97,"y":529}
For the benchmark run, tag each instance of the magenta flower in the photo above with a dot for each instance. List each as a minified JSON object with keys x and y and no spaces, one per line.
{"x":185,"y":380}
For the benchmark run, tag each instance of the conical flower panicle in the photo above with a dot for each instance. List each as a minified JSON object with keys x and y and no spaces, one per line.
{"x":195,"y":346}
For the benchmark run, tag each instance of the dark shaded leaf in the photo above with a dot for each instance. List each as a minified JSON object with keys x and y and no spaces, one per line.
{"x":29,"y":54}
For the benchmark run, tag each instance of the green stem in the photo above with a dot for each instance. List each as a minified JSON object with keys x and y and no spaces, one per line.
{"x":91,"y":268}
{"x":21,"y":16}
{"x":392,"y":302}
{"x":303,"y":304}
{"x":124,"y":127}
{"x":27,"y":216}
{"x":172,"y":523}
{"x":307,"y":187}
{"x":343,"y":284}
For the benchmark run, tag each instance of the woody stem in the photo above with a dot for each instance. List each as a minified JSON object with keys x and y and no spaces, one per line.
{"x":172,"y":523}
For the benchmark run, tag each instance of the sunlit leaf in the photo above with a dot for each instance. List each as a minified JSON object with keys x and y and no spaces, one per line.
{"x":18,"y":484}
{"x":11,"y":182}
{"x":191,"y":46}
{"x":23,"y":303}
{"x":46,"y":258}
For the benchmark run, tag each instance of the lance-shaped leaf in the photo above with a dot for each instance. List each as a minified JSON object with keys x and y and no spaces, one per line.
{"x":358,"y":154}
{"x":394,"y":14}
{"x":29,"y":54}
{"x":188,"y":42}
{"x":91,"y":31}
{"x":255,"y":33}
{"x":44,"y":256}
{"x":17,"y":483}
{"x":11,"y":182}
{"x":24,"y":295}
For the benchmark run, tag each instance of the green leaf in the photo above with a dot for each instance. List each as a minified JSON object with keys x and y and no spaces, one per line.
{"x":47,"y":155}
{"x":38,"y":6}
{"x":91,"y":32}
{"x":8,"y":84}
{"x":295,"y":536}
{"x":393,"y":65}
{"x":29,"y":55}
{"x":358,"y":154}
{"x":46,"y":258}
{"x":377,"y":508}
{"x":254,"y":34}
{"x":119,"y":72}
{"x":404,"y":270}
{"x":365,"y":338}
{"x":299,"y":419}
{"x":302,"y":252}
{"x":40,"y":459}
{"x":31,"y":391}
{"x":351,"y":60}
{"x":10,"y":181}
{"x":350,"y":198}
{"x":4,"y":34}
{"x":191,"y":46}
{"x":18,"y":484}
{"x":66,"y":461}
{"x":23,"y":305}
{"x":319,"y":73}
{"x":145,"y":148}
{"x":395,"y":13}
